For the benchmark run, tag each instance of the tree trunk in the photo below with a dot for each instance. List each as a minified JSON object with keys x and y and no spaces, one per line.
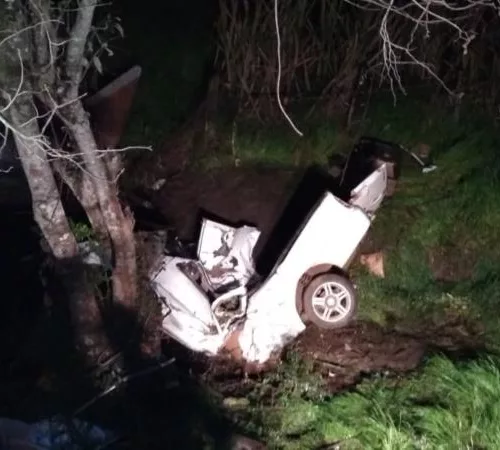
{"x":47,"y":207}
{"x":119,"y":224}
{"x":73,"y":290}
{"x":21,"y":115}
{"x":86,"y":322}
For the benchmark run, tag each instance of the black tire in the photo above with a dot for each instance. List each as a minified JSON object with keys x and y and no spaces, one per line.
{"x":338,"y":284}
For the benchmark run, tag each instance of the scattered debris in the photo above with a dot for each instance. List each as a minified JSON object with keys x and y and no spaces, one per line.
{"x":110,"y":107}
{"x":423,"y":151}
{"x":52,"y":433}
{"x":236,"y":403}
{"x":374,"y":263}
{"x":422,"y":157}
{"x":158,"y":184}
{"x":93,"y":255}
{"x":216,"y":298}
{"x":239,"y":442}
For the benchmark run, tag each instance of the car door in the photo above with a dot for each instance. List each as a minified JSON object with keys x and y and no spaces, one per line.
{"x":369,"y":194}
{"x":181,"y":294}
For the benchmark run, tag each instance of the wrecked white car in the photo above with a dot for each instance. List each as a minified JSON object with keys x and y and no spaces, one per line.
{"x":221,"y":297}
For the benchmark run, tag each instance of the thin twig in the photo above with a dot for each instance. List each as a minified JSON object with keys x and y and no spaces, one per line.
{"x":278,"y":80}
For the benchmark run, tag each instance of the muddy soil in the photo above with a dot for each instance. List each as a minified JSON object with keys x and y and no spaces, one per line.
{"x":342,"y":357}
{"x":247,"y":194}
{"x":346,"y":355}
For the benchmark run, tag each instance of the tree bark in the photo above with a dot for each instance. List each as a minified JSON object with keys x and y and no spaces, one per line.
{"x":86,"y":321}
{"x":119,"y":225}
{"x":47,"y":207}
{"x":76,"y":46}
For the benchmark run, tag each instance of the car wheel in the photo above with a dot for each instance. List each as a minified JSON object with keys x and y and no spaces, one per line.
{"x":330,"y":301}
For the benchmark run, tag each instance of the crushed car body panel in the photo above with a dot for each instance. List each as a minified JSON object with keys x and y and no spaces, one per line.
{"x":186,"y":311}
{"x":369,"y":194}
{"x":330,"y":236}
{"x":208,"y":300}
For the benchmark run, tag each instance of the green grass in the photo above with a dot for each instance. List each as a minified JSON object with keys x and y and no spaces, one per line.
{"x":456,"y":207}
{"x":444,"y":406}
{"x":250,"y":143}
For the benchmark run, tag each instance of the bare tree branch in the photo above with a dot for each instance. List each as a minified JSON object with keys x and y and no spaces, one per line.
{"x":76,"y":46}
{"x":424,"y":16}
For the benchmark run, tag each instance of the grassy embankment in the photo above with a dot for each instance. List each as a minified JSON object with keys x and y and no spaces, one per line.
{"x":443,"y":224}
{"x":444,"y":406}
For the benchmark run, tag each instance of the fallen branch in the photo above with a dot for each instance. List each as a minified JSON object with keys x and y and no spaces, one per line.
{"x":330,"y":364}
{"x":122,"y":381}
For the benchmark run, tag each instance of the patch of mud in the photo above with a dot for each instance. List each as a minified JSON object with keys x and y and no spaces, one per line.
{"x":221,"y":375}
{"x":454,"y":336}
{"x":452,"y":263}
{"x":343,"y":356}
{"x":346,"y":355}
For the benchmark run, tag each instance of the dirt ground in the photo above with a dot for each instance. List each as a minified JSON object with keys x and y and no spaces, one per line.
{"x":342,"y":357}
{"x":252,"y":195}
